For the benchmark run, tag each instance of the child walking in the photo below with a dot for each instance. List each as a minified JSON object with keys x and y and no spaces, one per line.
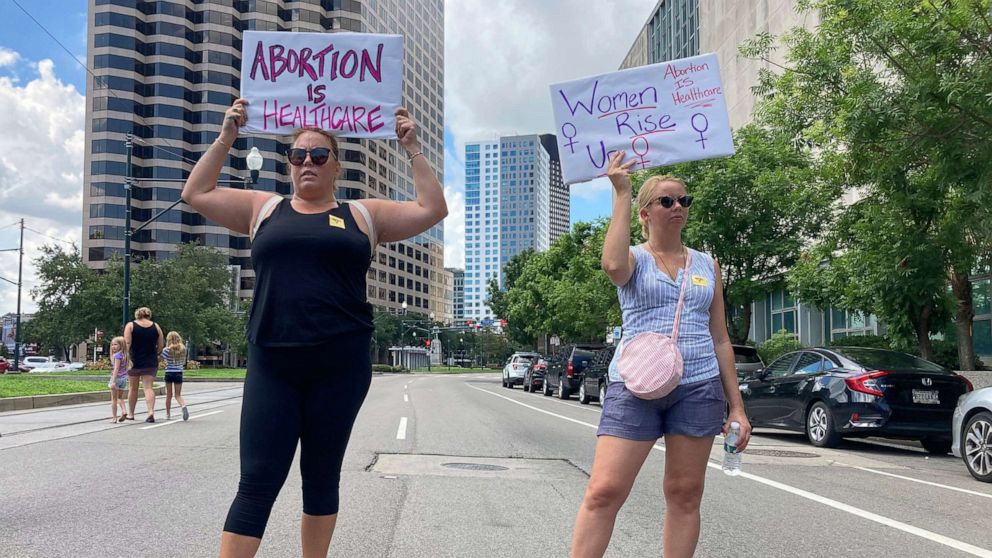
{"x":118,"y":378}
{"x":174,"y":354}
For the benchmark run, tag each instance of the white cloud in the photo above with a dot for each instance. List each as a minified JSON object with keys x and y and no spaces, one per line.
{"x":500,"y":58}
{"x":8,"y":57}
{"x":41,"y":170}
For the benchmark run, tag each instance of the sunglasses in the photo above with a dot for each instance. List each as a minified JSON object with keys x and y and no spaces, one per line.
{"x":669,"y":201}
{"x":319,"y":155}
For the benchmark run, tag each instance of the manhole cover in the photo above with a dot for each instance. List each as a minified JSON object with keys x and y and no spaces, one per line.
{"x":474,"y":466}
{"x":778,"y":453}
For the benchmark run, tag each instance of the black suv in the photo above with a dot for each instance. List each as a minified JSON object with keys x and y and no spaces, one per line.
{"x":596,"y":377}
{"x":565,"y":368}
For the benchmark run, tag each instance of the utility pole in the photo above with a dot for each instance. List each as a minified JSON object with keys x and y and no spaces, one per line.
{"x":19,"y":283}
{"x":129,"y":146}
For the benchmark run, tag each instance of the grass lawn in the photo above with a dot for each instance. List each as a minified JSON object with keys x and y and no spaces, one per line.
{"x":22,"y":384}
{"x":201,"y":373}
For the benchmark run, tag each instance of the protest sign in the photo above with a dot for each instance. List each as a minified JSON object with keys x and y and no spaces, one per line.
{"x":659,"y":114}
{"x":349,"y":84}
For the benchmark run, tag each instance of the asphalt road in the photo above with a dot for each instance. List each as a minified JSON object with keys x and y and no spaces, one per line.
{"x":458,"y":466}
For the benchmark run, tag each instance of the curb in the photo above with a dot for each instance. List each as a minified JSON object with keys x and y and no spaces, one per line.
{"x":29,"y":402}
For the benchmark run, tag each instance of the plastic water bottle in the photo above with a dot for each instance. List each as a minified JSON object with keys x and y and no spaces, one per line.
{"x":731,"y":457}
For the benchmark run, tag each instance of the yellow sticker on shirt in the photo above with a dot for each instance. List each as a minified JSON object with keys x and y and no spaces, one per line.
{"x":335,"y":221}
{"x":699,"y":281}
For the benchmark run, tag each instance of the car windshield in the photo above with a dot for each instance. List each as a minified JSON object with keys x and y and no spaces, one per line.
{"x":880,"y":359}
{"x":522,"y":360}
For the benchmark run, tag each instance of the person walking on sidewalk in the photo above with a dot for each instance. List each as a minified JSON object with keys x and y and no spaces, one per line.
{"x":665,"y":289}
{"x":118,"y":378}
{"x":145,"y":340}
{"x":310,"y":328}
{"x":174,"y":355}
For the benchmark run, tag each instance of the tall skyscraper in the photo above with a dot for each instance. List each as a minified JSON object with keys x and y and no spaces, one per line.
{"x":671,"y":32}
{"x":560,"y":200}
{"x":167,"y":71}
{"x":510,"y":206}
{"x":458,"y":292}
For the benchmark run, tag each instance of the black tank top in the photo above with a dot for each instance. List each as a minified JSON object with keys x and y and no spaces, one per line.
{"x":309,"y":277}
{"x":144,"y":346}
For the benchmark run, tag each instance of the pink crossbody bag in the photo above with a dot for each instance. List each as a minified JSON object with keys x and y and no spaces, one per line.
{"x":650,"y":363}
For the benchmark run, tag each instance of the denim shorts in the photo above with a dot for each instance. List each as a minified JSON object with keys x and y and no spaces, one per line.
{"x":697,"y":409}
{"x":120,"y":382}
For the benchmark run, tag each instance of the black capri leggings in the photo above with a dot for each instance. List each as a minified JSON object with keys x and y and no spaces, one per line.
{"x":309,"y":395}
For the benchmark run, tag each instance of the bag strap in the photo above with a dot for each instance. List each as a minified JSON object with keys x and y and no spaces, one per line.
{"x":373,"y":239}
{"x":678,"y":309}
{"x":269,"y":203}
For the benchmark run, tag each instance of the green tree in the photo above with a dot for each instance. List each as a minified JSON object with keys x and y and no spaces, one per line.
{"x":499,"y":302}
{"x":64,"y":315}
{"x":895,"y":93}
{"x":754,"y":212}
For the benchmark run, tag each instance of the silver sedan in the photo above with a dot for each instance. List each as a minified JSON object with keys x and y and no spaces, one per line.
{"x":973,"y":433}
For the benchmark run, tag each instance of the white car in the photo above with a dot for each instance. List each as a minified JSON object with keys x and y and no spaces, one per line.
{"x":516,"y":367}
{"x":32,"y":362}
{"x":51,"y":367}
{"x":972,"y":431}
{"x":73,"y":365}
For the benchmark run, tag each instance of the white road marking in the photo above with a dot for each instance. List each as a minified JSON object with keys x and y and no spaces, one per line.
{"x":177,"y":421}
{"x":904,"y":527}
{"x":938,"y":485}
{"x":401,"y":431}
{"x":406,"y":398}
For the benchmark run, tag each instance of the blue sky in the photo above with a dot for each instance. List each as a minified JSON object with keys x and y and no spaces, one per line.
{"x":500,"y":58}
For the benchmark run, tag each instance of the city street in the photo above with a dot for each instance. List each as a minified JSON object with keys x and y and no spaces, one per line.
{"x":71,"y":484}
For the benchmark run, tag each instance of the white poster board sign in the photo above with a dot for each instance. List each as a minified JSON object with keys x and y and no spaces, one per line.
{"x":349,"y":84}
{"x":659,"y":114}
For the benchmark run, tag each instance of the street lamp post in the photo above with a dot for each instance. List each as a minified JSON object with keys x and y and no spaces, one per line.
{"x":254,"y":161}
{"x":17,"y":324}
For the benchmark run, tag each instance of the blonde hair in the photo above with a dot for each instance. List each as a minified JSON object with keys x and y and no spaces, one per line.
{"x":143,"y":313}
{"x":174,"y":343}
{"x":122,"y":345}
{"x":646,"y":195}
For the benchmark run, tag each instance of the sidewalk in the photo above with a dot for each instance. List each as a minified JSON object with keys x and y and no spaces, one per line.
{"x":19,"y":428}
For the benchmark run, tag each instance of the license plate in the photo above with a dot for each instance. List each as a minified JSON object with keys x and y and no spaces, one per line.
{"x":925,"y":397}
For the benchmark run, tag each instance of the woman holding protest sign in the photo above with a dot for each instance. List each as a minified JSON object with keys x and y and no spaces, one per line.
{"x":670,"y":372}
{"x":311,"y":326}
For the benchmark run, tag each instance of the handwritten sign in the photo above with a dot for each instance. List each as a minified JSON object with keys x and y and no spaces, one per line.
{"x":346,"y":83}
{"x":659,"y":114}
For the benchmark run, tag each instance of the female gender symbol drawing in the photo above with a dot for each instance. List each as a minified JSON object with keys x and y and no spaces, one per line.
{"x":641,"y":154}
{"x":571,"y":142}
{"x":705,"y":126}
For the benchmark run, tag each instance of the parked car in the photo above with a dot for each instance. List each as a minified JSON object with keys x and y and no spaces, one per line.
{"x":516,"y":366}
{"x":73,"y":365}
{"x":534,"y":376}
{"x":31,"y":362}
{"x":596,"y":377}
{"x":746,"y":361}
{"x":565,"y":369}
{"x":856,"y":392}
{"x":972,"y":429}
{"x":51,"y":367}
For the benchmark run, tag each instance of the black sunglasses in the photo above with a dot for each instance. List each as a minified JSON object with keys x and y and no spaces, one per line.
{"x":669,"y":201}
{"x":319,"y":155}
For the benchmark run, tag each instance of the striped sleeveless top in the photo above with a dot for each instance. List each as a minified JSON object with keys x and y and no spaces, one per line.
{"x":648,"y":303}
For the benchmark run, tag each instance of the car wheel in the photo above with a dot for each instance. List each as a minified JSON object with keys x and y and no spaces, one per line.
{"x":546,"y":388}
{"x":820,"y":427}
{"x":583,"y":396}
{"x":562,"y":390}
{"x":509,"y":383}
{"x":526,"y":384}
{"x":976,"y":446}
{"x":504,"y":381}
{"x":602,"y":394}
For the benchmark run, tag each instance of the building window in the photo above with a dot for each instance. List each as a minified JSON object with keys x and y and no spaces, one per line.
{"x":844,"y":323}
{"x":783,"y":312}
